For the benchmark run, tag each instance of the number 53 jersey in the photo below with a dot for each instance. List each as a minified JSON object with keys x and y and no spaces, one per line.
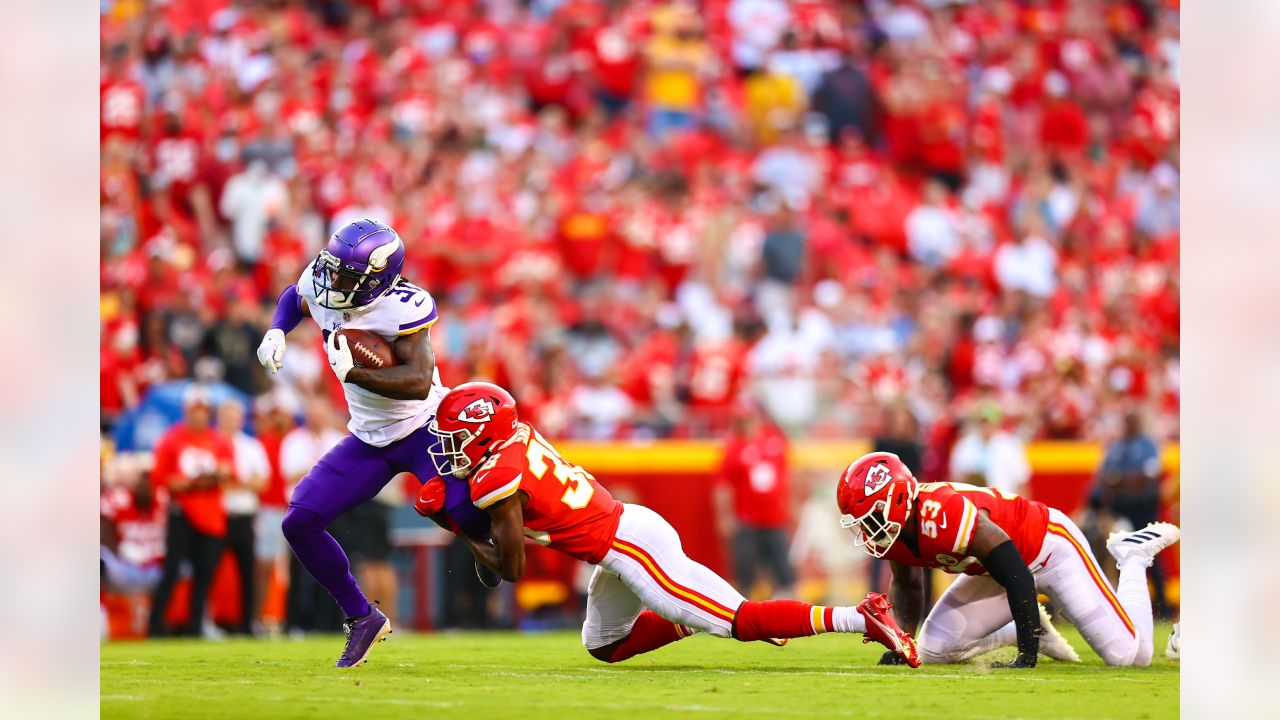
{"x":947,"y":515}
{"x":567,"y":509}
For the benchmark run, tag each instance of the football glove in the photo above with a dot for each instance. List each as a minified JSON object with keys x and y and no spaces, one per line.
{"x":271,"y":351}
{"x":339,"y":356}
{"x":430,"y":498}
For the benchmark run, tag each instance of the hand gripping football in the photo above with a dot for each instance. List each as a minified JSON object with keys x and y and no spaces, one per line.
{"x":369,"y":350}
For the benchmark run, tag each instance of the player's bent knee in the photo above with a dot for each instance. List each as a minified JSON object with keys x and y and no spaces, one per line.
{"x":1123,"y":652}
{"x":300,"y":524}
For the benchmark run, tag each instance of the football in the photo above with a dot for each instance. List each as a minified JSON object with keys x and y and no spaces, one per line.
{"x":369,"y":350}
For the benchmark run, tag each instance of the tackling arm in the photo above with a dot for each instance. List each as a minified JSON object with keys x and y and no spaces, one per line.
{"x":907,"y":592}
{"x":993,"y":548}
{"x":410,"y":380}
{"x":507,"y":558}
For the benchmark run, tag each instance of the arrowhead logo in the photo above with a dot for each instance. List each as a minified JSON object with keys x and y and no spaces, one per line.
{"x":877,"y":477}
{"x":479,"y":411}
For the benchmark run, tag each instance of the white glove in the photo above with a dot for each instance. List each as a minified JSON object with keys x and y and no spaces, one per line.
{"x":339,"y":356}
{"x":271,"y":351}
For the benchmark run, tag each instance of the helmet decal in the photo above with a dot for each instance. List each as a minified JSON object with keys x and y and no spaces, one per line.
{"x":479,"y":411}
{"x":877,"y":477}
{"x":379,"y":257}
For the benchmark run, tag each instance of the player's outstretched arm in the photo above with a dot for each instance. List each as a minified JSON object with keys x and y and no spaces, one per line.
{"x":507,"y":520}
{"x":993,"y":548}
{"x":409,"y":380}
{"x":907,"y":591}
{"x":290,"y":309}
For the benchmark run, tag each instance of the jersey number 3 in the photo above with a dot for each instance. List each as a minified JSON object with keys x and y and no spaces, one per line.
{"x":577,"y":482}
{"x":928,"y":517}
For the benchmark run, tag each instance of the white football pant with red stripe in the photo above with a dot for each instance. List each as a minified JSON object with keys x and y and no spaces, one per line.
{"x":647,"y":568}
{"x":972,"y":616}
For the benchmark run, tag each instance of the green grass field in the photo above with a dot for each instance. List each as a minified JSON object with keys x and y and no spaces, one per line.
{"x":508,"y":675}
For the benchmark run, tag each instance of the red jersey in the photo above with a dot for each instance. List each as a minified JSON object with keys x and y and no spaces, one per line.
{"x":947,"y":517}
{"x":567,"y":509}
{"x":183,"y":453}
{"x":756,"y":468}
{"x":139,"y":531}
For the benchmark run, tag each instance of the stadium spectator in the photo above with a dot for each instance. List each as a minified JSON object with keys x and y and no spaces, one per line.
{"x":192,"y":462}
{"x":1126,"y":491}
{"x":990,"y":456}
{"x":132,"y":532}
{"x":754,"y":478}
{"x":270,"y":425}
{"x":307,"y":606}
{"x":240,"y":500}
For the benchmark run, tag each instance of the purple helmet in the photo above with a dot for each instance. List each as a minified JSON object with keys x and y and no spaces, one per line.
{"x":360,"y":263}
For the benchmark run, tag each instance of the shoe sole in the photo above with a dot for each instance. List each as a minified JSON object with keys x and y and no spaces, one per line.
{"x":383,"y":632}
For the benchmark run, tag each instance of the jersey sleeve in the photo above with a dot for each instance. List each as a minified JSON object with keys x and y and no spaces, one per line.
{"x":959,"y":517}
{"x":494,"y":484}
{"x":419,"y":313}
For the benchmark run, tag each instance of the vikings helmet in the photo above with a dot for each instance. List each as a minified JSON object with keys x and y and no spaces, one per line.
{"x":359,"y":264}
{"x":875,"y":494}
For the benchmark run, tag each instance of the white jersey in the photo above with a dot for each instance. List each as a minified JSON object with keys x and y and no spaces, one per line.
{"x":404,"y":309}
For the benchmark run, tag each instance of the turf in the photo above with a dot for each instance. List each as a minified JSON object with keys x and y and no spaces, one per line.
{"x":530,"y":676}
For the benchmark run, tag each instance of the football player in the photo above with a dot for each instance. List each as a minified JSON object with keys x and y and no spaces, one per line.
{"x":355,"y":283}
{"x":644,"y":593}
{"x":1006,"y":548}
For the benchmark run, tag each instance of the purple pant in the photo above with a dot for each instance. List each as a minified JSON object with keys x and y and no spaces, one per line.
{"x":348,"y":475}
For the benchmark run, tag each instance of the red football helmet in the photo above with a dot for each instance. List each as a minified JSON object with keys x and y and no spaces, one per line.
{"x":473,"y":419}
{"x":875,"y":494}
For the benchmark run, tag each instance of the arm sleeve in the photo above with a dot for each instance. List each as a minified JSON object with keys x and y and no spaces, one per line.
{"x":494,"y":485}
{"x":288,"y":310}
{"x":1006,"y":567}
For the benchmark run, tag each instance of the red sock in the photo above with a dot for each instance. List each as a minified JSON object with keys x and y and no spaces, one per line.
{"x":780,"y":619}
{"x":650,"y":632}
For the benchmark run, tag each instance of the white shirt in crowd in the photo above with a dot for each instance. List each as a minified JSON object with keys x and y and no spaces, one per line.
{"x":250,"y":200}
{"x":252,"y":467}
{"x":302,"y":447}
{"x":1030,"y":266}
{"x":932,"y":235}
{"x":1002,"y":460}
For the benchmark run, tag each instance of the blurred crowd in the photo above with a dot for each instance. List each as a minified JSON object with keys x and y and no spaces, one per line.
{"x":635,"y":214}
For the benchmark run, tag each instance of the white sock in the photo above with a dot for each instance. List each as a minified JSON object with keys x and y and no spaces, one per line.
{"x":847,"y":620}
{"x":1007,"y":635}
{"x":1136,"y":601}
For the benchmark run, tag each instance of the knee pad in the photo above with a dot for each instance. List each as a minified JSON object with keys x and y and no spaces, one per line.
{"x":300,"y":524}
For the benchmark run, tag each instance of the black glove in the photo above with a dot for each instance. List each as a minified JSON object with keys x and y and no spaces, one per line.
{"x":891,"y":658}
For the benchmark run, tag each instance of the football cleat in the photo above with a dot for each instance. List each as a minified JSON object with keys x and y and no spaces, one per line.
{"x":1052,"y":644}
{"x":1143,"y":544}
{"x":362,"y":634}
{"x":1172,"y":650}
{"x":882,"y":628}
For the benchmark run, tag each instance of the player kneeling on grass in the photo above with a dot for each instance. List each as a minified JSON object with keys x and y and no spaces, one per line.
{"x":645,"y":593}
{"x":1007,"y":548}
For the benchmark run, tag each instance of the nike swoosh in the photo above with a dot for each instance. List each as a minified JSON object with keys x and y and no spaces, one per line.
{"x":420,"y":301}
{"x":944,"y":522}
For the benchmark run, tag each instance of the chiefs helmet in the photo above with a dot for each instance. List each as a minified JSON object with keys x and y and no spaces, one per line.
{"x":875,"y":494}
{"x":472,"y":420}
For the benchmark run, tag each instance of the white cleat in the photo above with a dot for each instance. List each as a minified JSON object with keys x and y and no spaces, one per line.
{"x":1052,"y":644}
{"x":1144,"y":544}
{"x":1171,"y":650}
